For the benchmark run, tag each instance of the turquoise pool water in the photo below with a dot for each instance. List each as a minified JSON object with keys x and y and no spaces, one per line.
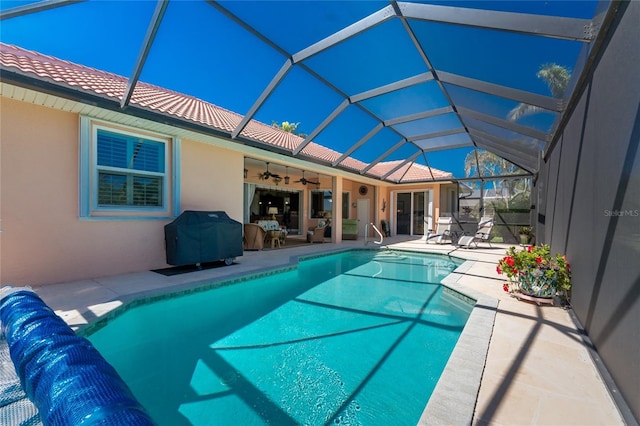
{"x":352,"y":338}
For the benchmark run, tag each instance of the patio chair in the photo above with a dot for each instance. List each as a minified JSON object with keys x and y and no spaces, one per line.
{"x":254,"y":236}
{"x":316,"y":234}
{"x":443,"y":231}
{"x":482,"y":234}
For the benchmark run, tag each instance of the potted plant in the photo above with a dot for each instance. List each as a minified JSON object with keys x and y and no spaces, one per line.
{"x":535,"y":273}
{"x":526,"y":233}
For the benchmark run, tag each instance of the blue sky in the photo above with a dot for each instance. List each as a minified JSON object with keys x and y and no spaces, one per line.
{"x":200,"y":52}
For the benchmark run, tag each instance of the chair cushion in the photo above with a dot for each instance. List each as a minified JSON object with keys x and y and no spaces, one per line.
{"x":269,"y":225}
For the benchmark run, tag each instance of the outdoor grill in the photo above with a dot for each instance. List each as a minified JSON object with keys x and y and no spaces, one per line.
{"x":197,"y":237}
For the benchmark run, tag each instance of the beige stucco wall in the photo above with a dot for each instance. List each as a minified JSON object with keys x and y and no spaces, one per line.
{"x":212,"y":179}
{"x":44,"y":241}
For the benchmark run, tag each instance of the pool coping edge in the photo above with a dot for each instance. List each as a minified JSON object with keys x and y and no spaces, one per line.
{"x":454,"y":398}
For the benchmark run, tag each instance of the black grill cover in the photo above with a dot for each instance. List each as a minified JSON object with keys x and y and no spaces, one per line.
{"x":197,"y":237}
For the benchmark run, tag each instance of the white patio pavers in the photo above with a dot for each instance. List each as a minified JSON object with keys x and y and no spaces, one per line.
{"x":538,"y":370}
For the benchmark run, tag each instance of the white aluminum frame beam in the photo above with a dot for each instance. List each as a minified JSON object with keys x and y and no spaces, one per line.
{"x":426,"y":161}
{"x":358,"y":144}
{"x":524,"y":164}
{"x":384,"y":155}
{"x":392,"y":87}
{"x":541,"y":101}
{"x":154,"y":24}
{"x":344,"y":34}
{"x":336,"y":112}
{"x":506,"y":145}
{"x":34,"y":7}
{"x":540,"y":25}
{"x":275,"y":81}
{"x":399,"y":166}
{"x":437,"y":134}
{"x":441,"y":147}
{"x":427,"y":61}
{"x":509,"y":125}
{"x":418,"y":116}
{"x":520,"y":158}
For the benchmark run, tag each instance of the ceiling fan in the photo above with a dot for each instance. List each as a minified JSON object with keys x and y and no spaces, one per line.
{"x":267,"y":174}
{"x":306,"y":181}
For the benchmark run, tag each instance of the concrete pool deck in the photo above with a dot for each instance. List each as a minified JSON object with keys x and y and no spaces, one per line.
{"x":538,"y":369}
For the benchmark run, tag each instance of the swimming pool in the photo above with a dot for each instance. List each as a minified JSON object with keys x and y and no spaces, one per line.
{"x":351,"y":338}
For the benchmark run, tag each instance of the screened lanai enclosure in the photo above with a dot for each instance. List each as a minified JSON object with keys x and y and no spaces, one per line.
{"x":398,"y":91}
{"x":404,"y":92}
{"x":529,"y":109}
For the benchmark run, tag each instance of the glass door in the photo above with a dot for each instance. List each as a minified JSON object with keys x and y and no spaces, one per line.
{"x":418,"y":213}
{"x":403,"y":213}
{"x":414,"y":212}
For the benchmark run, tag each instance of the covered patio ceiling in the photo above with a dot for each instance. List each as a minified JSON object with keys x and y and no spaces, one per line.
{"x":427,"y":84}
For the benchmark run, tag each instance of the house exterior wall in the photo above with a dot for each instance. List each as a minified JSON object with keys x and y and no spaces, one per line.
{"x":44,"y":240}
{"x":589,"y":205}
{"x":211,"y":179}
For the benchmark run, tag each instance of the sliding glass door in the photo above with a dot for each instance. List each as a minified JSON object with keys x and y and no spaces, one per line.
{"x":414,"y":212}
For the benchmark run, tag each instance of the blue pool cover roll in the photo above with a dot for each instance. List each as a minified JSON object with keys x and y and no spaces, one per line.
{"x":63,"y":374}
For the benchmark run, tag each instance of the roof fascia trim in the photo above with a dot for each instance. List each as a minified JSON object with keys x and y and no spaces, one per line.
{"x":51,"y":88}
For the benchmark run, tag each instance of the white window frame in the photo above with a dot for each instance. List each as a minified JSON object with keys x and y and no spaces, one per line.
{"x":89,"y":169}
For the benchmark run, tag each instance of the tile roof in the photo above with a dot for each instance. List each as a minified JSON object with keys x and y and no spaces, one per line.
{"x":112,"y":86}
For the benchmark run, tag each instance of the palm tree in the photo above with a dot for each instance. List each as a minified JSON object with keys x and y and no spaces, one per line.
{"x":490,"y":164}
{"x":557,"y":78}
{"x":288,"y":127}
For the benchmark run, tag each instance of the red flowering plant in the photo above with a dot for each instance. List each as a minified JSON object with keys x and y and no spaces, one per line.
{"x":535,"y":271}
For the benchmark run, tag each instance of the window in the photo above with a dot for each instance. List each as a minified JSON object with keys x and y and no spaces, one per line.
{"x":322,"y":201}
{"x":346,"y":205}
{"x":130,"y":170}
{"x":124,"y":172}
